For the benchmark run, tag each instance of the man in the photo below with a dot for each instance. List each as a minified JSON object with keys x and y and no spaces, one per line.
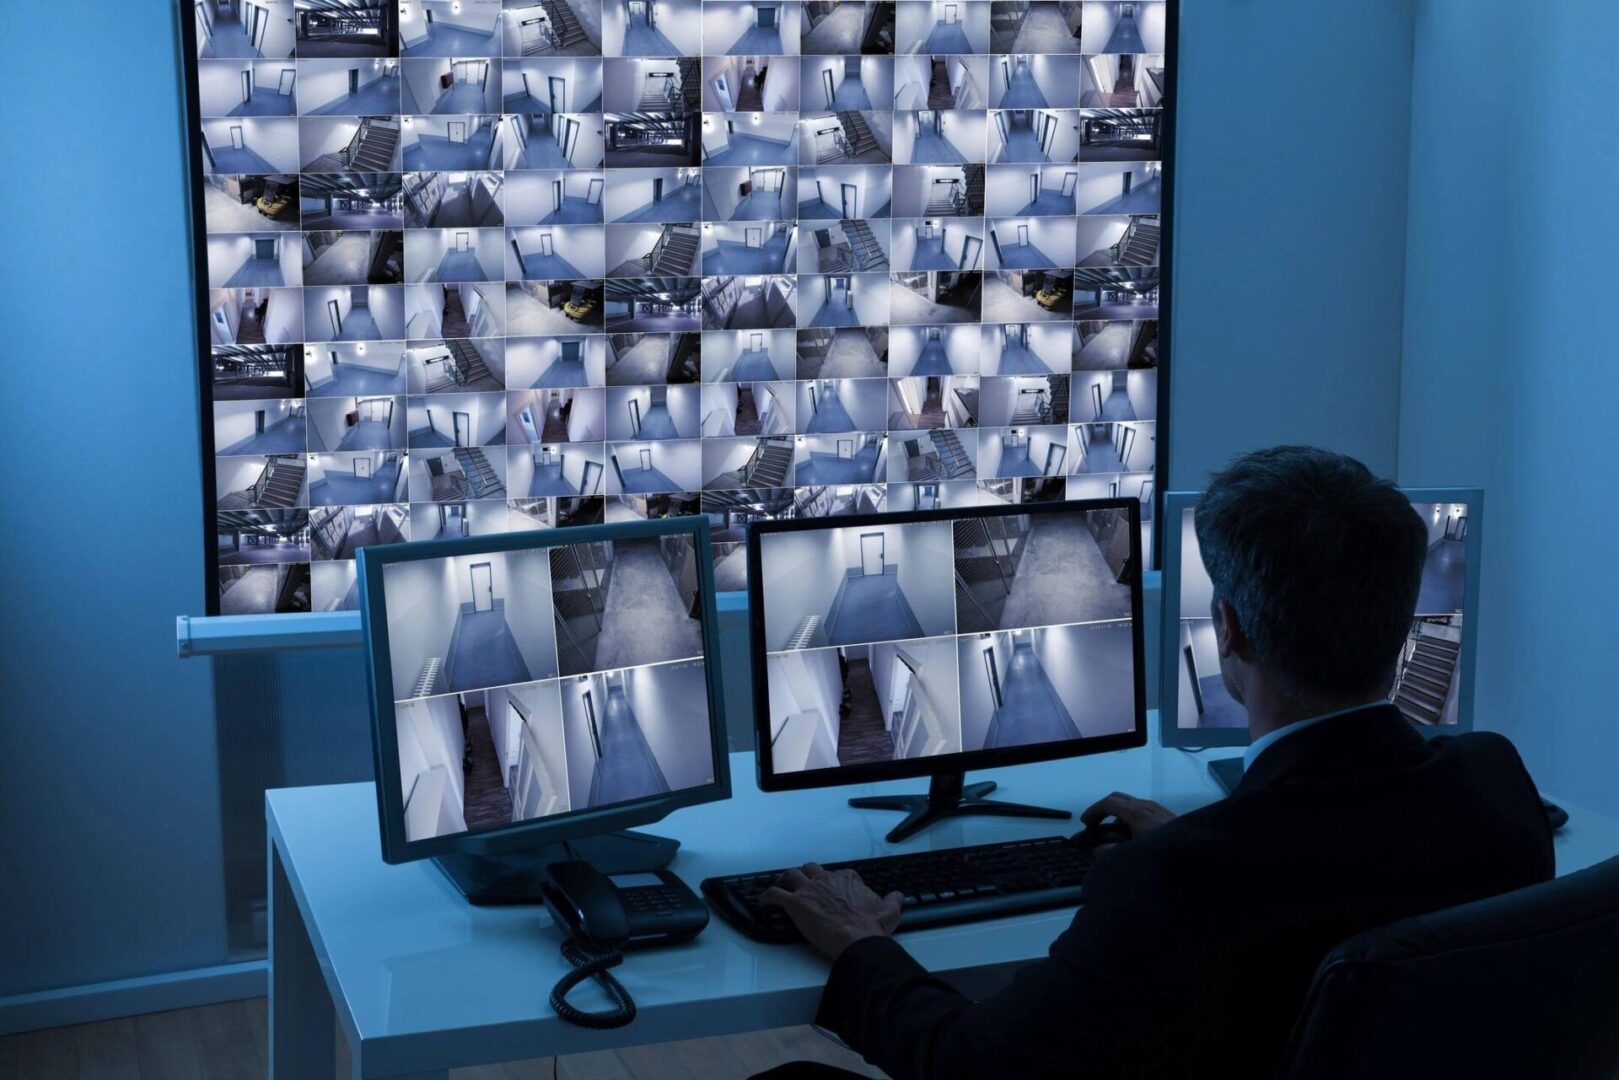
{"x":1199,"y":936}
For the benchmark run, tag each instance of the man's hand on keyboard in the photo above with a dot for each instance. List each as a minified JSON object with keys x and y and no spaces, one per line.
{"x":833,"y":909}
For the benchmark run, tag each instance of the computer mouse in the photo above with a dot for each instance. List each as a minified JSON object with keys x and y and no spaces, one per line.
{"x":1107,"y":832}
{"x":1556,"y":816}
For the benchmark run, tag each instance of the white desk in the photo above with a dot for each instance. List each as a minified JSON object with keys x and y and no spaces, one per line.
{"x":421,"y":982}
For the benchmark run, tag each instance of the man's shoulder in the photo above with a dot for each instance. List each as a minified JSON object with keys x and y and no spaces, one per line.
{"x":1252,"y":829}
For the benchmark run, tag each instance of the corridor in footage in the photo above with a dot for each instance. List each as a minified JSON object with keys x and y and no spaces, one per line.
{"x":623,"y":608}
{"x":482,"y":649}
{"x":1028,"y":709}
{"x":487,"y":801}
{"x":625,"y":766}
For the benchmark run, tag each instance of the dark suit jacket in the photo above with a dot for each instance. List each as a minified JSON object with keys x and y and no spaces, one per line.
{"x":1195,"y":946}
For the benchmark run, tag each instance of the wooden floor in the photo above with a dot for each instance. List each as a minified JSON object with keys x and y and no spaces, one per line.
{"x":231,"y":1042}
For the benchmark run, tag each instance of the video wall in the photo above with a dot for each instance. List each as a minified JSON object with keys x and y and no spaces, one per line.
{"x":473,"y":266}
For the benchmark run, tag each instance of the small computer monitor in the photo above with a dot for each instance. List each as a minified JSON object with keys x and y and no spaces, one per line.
{"x":537,"y":687}
{"x":1434,"y":683}
{"x":932,"y":642}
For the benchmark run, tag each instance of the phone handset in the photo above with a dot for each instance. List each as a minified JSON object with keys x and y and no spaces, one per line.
{"x":600,"y":918}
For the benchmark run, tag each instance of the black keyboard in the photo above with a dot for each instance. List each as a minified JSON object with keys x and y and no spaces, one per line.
{"x":951,"y":885}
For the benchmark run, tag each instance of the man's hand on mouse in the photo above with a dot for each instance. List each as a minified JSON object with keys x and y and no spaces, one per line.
{"x":833,"y":909}
{"x":1140,"y":816}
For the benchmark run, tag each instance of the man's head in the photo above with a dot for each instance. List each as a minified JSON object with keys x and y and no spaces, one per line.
{"x":1316,"y":564}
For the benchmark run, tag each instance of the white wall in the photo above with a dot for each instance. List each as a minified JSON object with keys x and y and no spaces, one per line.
{"x":937,"y":678}
{"x":528,"y":359}
{"x":805,"y":689}
{"x":528,"y":607}
{"x":486,"y":413}
{"x":422,"y":608}
{"x":918,"y":551}
{"x":226,"y":254}
{"x":583,"y":78}
{"x":581,"y":245}
{"x":526,"y":197}
{"x":722,"y":455}
{"x":801,"y":574}
{"x":724,"y":23}
{"x":1151,"y":22}
{"x":1054,"y":236}
{"x":430,"y":742}
{"x":235,"y":473}
{"x":671,"y":705}
{"x":219,"y":82}
{"x":680,"y":460}
{"x":576,"y":733}
{"x":426,"y":248}
{"x":275,"y":139}
{"x":1097,"y":233}
{"x":682,"y":404}
{"x":481,"y":16}
{"x":626,"y":242}
{"x":1092,"y":669}
{"x":1100,"y":182}
{"x":961,"y":345}
{"x":1096,"y":24}
{"x":913,"y":22}
{"x":865,"y":400}
{"x":722,"y":347}
{"x":1057,"y":77}
{"x":631,"y":189}
{"x":874,"y":189}
{"x":233,"y":420}
{"x":977,"y":701}
{"x":423,"y":307}
{"x":329,"y":134}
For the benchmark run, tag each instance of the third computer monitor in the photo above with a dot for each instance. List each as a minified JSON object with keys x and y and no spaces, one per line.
{"x":934,"y":642}
{"x":1433,"y":685}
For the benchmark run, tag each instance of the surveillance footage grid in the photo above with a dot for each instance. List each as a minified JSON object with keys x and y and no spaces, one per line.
{"x":546,"y":681}
{"x":475,"y":266}
{"x":873,"y":655}
{"x":1428,"y":676}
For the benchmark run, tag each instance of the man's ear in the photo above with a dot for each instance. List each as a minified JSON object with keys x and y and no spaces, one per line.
{"x":1228,"y":633}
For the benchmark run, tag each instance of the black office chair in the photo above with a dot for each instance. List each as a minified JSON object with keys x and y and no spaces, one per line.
{"x":1524,"y":984}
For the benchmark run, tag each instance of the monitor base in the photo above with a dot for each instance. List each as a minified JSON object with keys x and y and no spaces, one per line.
{"x":516,"y":877}
{"x":949,"y":795}
{"x":1227,"y":772}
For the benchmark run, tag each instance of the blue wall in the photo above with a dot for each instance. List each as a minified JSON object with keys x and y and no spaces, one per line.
{"x":1511,"y":374}
{"x":1290,"y":225}
{"x":108,"y":816}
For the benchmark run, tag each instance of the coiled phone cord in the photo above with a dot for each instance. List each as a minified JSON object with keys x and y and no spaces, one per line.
{"x":592,"y":965}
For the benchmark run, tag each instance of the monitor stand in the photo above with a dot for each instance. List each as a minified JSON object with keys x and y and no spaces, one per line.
{"x":516,"y":877}
{"x":949,"y":795}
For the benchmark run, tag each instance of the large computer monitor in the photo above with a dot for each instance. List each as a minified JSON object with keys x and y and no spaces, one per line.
{"x":1434,"y":685}
{"x":540,"y":687}
{"x":929,"y":643}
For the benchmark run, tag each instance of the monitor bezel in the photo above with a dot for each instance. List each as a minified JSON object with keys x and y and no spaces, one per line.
{"x":396,"y":848}
{"x":1176,"y":503}
{"x":943,"y":764}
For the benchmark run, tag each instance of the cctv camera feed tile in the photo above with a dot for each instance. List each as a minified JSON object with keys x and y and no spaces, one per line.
{"x":875,"y":655}
{"x":898,"y":246}
{"x":545,"y":681}
{"x":1428,"y":674}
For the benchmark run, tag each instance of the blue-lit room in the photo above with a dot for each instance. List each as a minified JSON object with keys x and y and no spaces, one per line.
{"x":811,"y":539}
